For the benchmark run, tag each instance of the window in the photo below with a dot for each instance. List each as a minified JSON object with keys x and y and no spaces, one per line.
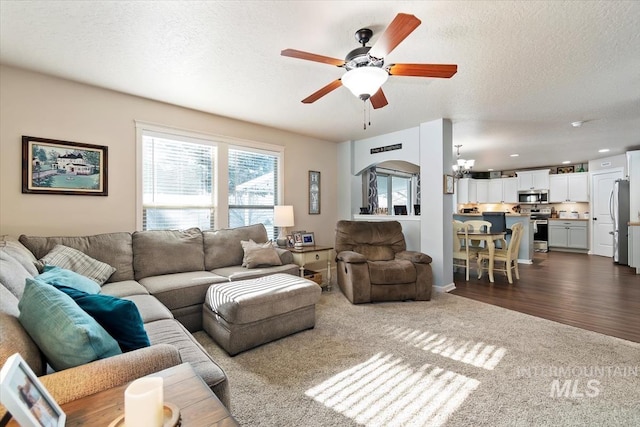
{"x":253,"y":188}
{"x":393,"y":189}
{"x":188,"y":179}
{"x":177,"y":182}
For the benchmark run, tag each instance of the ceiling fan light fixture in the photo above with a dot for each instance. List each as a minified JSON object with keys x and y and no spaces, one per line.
{"x":364,"y":82}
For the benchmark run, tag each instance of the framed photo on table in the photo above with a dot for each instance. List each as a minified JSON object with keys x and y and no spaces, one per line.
{"x":448,"y":184}
{"x":314,"y":193}
{"x":308,"y":239}
{"x":24,"y":396}
{"x":50,"y":166}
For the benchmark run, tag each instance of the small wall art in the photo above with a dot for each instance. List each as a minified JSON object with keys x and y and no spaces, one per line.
{"x":565,"y":169}
{"x":314,"y":192}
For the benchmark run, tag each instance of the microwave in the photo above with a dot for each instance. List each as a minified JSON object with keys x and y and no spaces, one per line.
{"x":533,"y":197}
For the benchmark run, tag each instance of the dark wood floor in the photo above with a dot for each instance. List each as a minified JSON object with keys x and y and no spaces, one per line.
{"x":586,"y":291}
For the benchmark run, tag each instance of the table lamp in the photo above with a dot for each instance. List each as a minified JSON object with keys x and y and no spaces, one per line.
{"x":283,"y":218}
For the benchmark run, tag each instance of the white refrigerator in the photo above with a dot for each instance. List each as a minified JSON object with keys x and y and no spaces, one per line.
{"x":619,"y":210}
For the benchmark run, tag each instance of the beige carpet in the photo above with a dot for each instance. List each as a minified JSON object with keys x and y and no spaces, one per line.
{"x":451,"y":361}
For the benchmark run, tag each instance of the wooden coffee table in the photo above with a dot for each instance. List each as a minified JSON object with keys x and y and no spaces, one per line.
{"x":182,"y":387}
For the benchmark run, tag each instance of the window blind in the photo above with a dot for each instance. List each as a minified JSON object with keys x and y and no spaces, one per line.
{"x":177,"y":181}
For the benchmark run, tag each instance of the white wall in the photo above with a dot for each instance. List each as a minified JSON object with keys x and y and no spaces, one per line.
{"x":43,"y":106}
{"x":410,"y":152}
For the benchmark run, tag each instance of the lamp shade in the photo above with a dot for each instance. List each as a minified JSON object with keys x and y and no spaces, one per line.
{"x":364,"y":81}
{"x":283,"y":216}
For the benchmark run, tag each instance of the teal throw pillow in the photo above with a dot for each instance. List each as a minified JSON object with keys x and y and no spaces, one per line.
{"x":119,"y":317}
{"x":64,"y":332}
{"x":58,"y":276}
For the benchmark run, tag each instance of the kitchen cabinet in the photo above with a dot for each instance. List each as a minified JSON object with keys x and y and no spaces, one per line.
{"x":533,"y":180}
{"x":503,"y":190}
{"x":571,"y":187}
{"x":467,"y":190}
{"x":567,"y":234}
{"x":482,"y":190}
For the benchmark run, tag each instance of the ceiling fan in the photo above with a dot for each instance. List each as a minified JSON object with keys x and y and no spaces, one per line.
{"x":366,"y":71}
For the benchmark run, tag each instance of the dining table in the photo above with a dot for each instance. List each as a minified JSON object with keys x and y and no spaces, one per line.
{"x":490,"y":238}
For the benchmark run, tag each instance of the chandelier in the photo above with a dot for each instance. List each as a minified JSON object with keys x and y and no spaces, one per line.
{"x":461,"y":166}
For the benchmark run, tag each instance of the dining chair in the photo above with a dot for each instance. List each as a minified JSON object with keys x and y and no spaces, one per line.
{"x":477,"y":225}
{"x":507,"y":256}
{"x":461,"y":257}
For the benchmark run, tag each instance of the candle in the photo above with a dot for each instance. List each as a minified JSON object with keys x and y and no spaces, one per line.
{"x":144,"y":403}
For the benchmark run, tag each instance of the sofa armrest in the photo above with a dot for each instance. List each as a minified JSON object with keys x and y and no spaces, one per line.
{"x":286,"y":257}
{"x":74,"y":383}
{"x":415,"y":257}
{"x":351,"y":257}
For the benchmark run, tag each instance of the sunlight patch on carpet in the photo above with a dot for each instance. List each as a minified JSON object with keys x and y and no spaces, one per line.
{"x":386,"y":391}
{"x":466,"y":351}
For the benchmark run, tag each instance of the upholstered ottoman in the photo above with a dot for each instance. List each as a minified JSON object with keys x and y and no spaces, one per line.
{"x":247,"y":313}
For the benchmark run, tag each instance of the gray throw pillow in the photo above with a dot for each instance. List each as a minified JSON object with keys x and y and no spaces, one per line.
{"x":262,"y":257}
{"x":250,"y":245}
{"x":74,"y":260}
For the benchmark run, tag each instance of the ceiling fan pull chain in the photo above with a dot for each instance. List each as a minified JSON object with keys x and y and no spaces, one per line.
{"x":369,"y":112}
{"x":364,"y":114}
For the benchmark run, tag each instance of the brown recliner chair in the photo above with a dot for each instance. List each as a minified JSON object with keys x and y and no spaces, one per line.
{"x":373,"y":264}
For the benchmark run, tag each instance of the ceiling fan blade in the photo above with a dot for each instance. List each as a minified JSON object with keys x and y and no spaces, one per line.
{"x":378,"y":100}
{"x":401,"y":26}
{"x":444,"y":71}
{"x":322,"y":92}
{"x":312,"y":57}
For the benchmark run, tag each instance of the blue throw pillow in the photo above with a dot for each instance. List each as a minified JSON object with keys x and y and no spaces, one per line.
{"x":62,"y":277}
{"x":64,"y":332}
{"x":119,"y":317}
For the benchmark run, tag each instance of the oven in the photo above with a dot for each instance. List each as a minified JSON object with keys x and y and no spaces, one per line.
{"x":540,"y":222}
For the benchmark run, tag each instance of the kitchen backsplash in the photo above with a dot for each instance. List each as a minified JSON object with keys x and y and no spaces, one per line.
{"x":581,"y":208}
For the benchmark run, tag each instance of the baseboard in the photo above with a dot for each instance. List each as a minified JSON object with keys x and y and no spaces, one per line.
{"x":525,"y":261}
{"x":446,"y":288}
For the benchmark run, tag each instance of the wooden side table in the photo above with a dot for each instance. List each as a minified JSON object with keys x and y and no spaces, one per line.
{"x":312,"y":254}
{"x":182,"y":387}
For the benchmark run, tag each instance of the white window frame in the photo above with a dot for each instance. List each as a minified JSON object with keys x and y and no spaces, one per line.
{"x":221,"y":173}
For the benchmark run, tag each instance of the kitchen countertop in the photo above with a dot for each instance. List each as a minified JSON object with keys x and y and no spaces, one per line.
{"x":633,"y":224}
{"x":479,"y":214}
{"x":568,"y":219}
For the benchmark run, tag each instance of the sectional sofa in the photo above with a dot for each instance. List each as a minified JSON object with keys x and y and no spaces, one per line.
{"x":165,"y":273}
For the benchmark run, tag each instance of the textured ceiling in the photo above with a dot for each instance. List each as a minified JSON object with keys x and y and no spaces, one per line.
{"x":525,"y":69}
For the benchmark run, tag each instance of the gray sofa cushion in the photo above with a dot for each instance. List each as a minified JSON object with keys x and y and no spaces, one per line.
{"x":150,"y":308}
{"x":181,"y":289}
{"x":111,"y":248}
{"x":172,"y":332}
{"x":123,"y":289}
{"x":222,"y":248}
{"x":13,"y":274}
{"x":167,"y":251}
{"x":17,"y":250}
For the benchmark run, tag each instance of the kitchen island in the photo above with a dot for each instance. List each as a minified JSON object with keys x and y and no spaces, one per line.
{"x":525,"y":254}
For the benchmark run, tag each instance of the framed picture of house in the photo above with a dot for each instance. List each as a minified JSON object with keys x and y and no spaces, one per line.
{"x":62,"y":167}
{"x":314,"y":192}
